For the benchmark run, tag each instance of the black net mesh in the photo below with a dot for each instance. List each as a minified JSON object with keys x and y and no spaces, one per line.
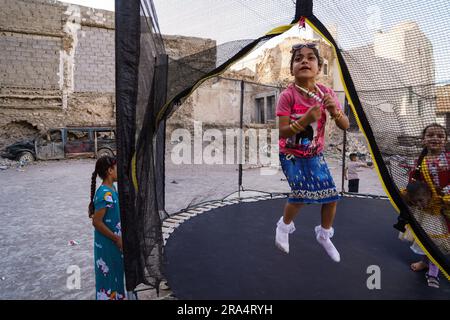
{"x":141,"y":71}
{"x":197,"y":169}
{"x":223,"y":22}
{"x":398,"y":64}
{"x":150,"y":87}
{"x":394,"y":62}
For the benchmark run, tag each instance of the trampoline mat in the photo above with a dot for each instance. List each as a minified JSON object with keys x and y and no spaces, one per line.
{"x":229,"y":253}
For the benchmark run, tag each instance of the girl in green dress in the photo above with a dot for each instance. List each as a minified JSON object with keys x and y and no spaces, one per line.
{"x":105,"y":214}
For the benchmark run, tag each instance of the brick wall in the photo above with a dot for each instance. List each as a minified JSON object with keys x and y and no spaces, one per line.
{"x":31,"y":16}
{"x":94,"y":60}
{"x":56,"y":65}
{"x":29,"y":61}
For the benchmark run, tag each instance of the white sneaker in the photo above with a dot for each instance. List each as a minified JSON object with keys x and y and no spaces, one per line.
{"x":282,"y":235}
{"x":323,"y":237}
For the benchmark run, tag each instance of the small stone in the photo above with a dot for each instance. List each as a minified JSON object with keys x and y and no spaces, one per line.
{"x":73,"y":243}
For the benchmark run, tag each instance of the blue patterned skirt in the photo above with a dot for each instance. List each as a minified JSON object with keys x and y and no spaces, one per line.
{"x":309,"y":178}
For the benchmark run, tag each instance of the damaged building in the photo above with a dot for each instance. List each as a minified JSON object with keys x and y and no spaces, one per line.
{"x":56,"y":67}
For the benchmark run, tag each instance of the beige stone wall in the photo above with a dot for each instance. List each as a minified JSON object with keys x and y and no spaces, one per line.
{"x":178,"y":47}
{"x":408,"y":65}
{"x":56,"y":67}
{"x":216,"y":103}
{"x":199,"y":54}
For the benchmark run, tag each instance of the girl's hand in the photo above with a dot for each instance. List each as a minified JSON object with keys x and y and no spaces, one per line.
{"x":313,"y":114}
{"x":118,"y":243}
{"x":330,"y":104}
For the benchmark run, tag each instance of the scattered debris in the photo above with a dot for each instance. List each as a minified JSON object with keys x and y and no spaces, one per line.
{"x":22,"y":163}
{"x":16,"y":131}
{"x":7,"y":163}
{"x":164,"y":285}
{"x":73,"y":243}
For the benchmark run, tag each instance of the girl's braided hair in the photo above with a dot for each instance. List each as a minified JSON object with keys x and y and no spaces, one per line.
{"x":101,"y":169}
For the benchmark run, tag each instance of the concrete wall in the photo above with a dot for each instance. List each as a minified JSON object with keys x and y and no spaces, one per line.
{"x":216,"y":103}
{"x":32,"y":16}
{"x":408,"y":55}
{"x":56,"y":67}
{"x":29,"y":61}
{"x":94,"y":56}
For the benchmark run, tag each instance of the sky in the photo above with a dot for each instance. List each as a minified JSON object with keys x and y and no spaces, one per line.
{"x":98,"y":4}
{"x":225,"y":23}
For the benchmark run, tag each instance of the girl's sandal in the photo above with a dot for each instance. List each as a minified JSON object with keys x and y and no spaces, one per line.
{"x":432,"y":281}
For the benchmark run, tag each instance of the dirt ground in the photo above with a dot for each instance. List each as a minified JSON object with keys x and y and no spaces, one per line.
{"x":43,"y":206}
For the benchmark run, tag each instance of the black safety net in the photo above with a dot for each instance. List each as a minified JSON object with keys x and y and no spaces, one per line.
{"x":396,"y":70}
{"x":198,"y":83}
{"x":141,"y":82}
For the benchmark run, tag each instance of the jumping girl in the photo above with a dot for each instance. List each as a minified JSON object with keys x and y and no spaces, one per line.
{"x":302,"y":111}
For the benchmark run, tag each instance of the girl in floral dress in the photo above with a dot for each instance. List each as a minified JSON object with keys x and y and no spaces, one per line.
{"x":105,"y":214}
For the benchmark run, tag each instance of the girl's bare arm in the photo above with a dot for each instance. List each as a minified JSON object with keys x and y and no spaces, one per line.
{"x":285,"y":128}
{"x":97,"y":222}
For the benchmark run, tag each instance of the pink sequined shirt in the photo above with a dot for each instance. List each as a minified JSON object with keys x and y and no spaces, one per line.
{"x":310,"y":142}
